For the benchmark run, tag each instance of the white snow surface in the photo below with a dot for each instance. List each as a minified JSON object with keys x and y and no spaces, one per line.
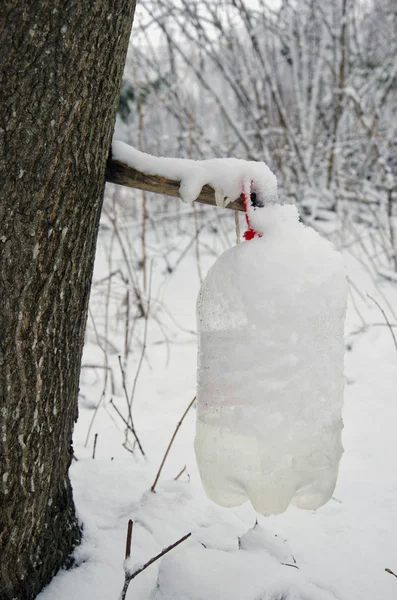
{"x":226,"y":175}
{"x":341,"y":549}
{"x":270,"y":368}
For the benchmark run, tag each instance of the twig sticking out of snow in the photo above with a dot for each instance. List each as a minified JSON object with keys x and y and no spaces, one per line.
{"x":129,"y":576}
{"x":170,"y":444}
{"x":129,"y":421}
{"x":138,"y":370}
{"x":391,"y":572}
{"x":180,"y":473}
{"x":94,"y":448}
{"x":289,"y":565}
{"x":386,"y":319}
{"x":129,"y":539}
{"x":128,"y":426}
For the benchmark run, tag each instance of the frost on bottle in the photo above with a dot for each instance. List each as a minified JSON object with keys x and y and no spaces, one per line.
{"x":270,"y":365}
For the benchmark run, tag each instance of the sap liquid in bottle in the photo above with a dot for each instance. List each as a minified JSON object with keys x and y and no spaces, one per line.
{"x":270,"y":319}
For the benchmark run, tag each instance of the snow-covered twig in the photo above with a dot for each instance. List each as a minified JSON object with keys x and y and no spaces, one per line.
{"x":130,"y":576}
{"x":122,"y":174}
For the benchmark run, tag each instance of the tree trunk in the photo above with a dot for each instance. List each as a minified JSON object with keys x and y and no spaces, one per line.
{"x":62,"y":64}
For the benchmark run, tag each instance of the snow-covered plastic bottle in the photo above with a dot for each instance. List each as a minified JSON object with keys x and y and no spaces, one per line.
{"x":270,"y":365}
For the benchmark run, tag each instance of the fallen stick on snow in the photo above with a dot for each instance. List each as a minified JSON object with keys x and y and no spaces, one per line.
{"x":122,"y":174}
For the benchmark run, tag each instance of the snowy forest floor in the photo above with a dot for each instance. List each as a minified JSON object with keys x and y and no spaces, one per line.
{"x":339,"y":552}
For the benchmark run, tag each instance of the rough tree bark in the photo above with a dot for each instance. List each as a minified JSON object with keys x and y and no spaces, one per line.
{"x":61,"y":65}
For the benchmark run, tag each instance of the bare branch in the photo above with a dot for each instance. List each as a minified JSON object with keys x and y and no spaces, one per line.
{"x":160,"y":555}
{"x":391,"y":572}
{"x":128,"y":577}
{"x":180,"y":473}
{"x":129,"y":427}
{"x":129,"y":538}
{"x":94,"y":448}
{"x":170,"y":444}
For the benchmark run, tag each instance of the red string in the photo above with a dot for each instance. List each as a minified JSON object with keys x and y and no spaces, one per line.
{"x":250,"y":233}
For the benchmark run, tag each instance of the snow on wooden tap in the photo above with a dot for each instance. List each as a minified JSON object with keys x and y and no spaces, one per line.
{"x":270,"y":358}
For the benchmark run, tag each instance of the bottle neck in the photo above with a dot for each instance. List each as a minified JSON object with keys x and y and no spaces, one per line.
{"x":269,"y":218}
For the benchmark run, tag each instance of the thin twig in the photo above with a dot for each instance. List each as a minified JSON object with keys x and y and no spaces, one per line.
{"x":113,"y":389}
{"x":94,"y":415}
{"x":386,"y":319}
{"x":129,"y":402}
{"x":105,"y":347}
{"x":94,"y":448}
{"x":130,"y":576}
{"x":121,"y":415}
{"x":129,"y":538}
{"x":170,"y":444}
{"x":125,"y":387}
{"x":336,"y":500}
{"x":289,"y":565}
{"x":105,"y":353}
{"x":390,"y":571}
{"x":112,"y":274}
{"x":162,"y":553}
{"x":128,"y":426}
{"x":124,"y":444}
{"x":180,"y":473}
{"x":127,"y":325}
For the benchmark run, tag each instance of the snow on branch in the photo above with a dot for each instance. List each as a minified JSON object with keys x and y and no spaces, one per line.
{"x":122,"y":174}
{"x":217,"y":182}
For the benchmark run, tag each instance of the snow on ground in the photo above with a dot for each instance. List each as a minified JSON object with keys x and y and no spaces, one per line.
{"x":338,"y":552}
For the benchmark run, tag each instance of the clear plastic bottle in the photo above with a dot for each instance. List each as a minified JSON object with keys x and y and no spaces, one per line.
{"x":270,"y":368}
